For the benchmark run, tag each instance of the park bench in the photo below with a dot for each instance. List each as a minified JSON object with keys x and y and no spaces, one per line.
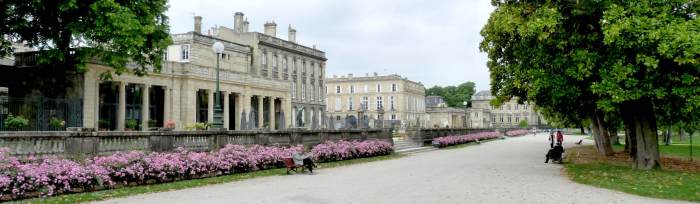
{"x":289,"y":163}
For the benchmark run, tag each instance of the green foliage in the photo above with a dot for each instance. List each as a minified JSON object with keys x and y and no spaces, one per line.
{"x":152,"y":123}
{"x":196,"y":126}
{"x":454,"y":96}
{"x":523,"y":124}
{"x":72,"y":32}
{"x":131,"y":124}
{"x":57,"y":123}
{"x":16,"y":122}
{"x":103,"y":123}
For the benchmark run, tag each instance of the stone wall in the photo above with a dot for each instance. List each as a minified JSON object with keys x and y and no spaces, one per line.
{"x":93,"y":143}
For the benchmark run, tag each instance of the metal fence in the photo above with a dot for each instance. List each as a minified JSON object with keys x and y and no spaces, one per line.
{"x":43,"y":114}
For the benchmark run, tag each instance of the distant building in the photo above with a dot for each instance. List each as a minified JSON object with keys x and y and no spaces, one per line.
{"x":508,"y":115}
{"x":364,"y":101}
{"x":442,"y":116}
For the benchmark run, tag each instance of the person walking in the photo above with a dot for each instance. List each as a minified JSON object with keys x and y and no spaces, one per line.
{"x":560,"y":137}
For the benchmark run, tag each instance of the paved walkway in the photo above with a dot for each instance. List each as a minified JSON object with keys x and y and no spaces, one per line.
{"x":503,"y":171}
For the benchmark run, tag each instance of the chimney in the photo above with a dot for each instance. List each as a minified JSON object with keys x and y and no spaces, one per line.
{"x":198,"y":24}
{"x":349,"y":75}
{"x":292,"y":34}
{"x":271,"y":29}
{"x":245,"y":25}
{"x":375,"y":74}
{"x":238,"y":22}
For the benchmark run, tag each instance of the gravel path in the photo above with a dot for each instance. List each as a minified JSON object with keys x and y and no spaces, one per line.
{"x":503,"y":171}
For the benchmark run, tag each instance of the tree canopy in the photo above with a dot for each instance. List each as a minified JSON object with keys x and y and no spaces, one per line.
{"x":70,"y":32}
{"x":599,"y":60}
{"x":454,"y":96}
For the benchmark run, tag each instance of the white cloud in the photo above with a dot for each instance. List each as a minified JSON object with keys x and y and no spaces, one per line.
{"x":434,"y":42}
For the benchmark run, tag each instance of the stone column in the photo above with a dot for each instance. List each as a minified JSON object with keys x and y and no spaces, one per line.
{"x":272,"y":112}
{"x":240,"y":101}
{"x":260,"y":111}
{"x":167,"y":108}
{"x":91,"y":102}
{"x":145,"y":102}
{"x":288,"y":115}
{"x":210,"y":107}
{"x":121,"y":110}
{"x":225,"y":109}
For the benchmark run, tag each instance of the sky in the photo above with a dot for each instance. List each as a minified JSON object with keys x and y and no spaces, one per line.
{"x":432,"y":42}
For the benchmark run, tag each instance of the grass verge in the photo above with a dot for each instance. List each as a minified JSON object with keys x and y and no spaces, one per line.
{"x":135,"y":190}
{"x":672,"y":182}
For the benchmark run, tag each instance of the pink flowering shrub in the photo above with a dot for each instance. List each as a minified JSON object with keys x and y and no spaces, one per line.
{"x":343,"y":150}
{"x":515,"y":133}
{"x":52,"y":175}
{"x":462,"y":139}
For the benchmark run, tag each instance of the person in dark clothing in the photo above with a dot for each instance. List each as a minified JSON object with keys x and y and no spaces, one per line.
{"x":304,"y":160}
{"x":555,"y":154}
{"x":551,"y":139}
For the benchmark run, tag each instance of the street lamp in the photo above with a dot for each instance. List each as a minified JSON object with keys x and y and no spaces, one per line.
{"x":464,"y":124}
{"x":218,"y":124}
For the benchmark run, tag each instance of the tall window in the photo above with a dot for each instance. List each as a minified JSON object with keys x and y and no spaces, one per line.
{"x":185,"y":52}
{"x":337,"y":104}
{"x":380,"y":104}
{"x":365,"y":103}
{"x":274,"y":60}
{"x":294,"y":90}
{"x":284,"y":63}
{"x":501,"y":117}
{"x":294,"y":66}
{"x":313,"y":92}
{"x":264,"y":58}
{"x":352,"y":89}
{"x":303,"y":67}
{"x":509,"y":116}
{"x":365,"y":89}
{"x":303,"y":91}
{"x":391,"y":103}
{"x":337,"y":89}
{"x":379,"y":88}
{"x":393,"y":87}
{"x":393,"y":116}
{"x":525,"y":107}
{"x":350,"y":103}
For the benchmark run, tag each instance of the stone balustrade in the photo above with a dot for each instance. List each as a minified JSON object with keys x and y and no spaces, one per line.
{"x":101,"y":143}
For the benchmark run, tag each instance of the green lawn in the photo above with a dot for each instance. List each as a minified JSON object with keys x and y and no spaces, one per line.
{"x":676,"y":150}
{"x":128,"y":191}
{"x":657,"y":183}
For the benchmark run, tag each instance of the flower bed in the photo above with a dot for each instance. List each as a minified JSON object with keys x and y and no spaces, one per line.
{"x":46,"y":176}
{"x":343,"y":150}
{"x":462,"y":139}
{"x":515,"y":133}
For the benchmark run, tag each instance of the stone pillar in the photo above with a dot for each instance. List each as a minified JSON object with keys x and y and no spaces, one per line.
{"x":225,"y":109}
{"x":272,"y":112}
{"x":240,"y":101}
{"x":121,"y":110}
{"x":91,"y":102}
{"x":167,"y":107}
{"x":288,"y":114}
{"x":145,"y":101}
{"x":210,"y":107}
{"x":260,"y":111}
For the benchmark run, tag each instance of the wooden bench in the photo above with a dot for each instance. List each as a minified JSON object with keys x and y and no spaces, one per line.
{"x":289,"y":163}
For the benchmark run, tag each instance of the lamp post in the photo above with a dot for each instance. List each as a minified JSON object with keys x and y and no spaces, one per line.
{"x":218,"y":124}
{"x":464,"y":124}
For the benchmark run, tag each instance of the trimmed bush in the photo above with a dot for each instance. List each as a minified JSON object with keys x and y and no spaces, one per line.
{"x":463,"y":139}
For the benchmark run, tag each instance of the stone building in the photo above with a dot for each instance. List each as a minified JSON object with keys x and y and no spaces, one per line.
{"x":442,"y":116}
{"x":483,"y":115}
{"x":375,"y":101}
{"x":266,"y":82}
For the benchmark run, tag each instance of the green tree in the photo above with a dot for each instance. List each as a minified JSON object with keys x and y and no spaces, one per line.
{"x":71,"y":32}
{"x":523,"y":124}
{"x":599,"y":59}
{"x":454,"y":96}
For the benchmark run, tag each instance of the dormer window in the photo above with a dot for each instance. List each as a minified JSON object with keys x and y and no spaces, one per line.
{"x":185,"y":52}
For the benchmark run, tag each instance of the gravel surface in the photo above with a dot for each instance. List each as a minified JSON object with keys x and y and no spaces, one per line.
{"x":502,"y":171}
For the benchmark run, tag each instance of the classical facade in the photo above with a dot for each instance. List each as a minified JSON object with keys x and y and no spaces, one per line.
{"x":266,"y":83}
{"x":442,"y":116}
{"x":374,"y":100}
{"x":483,"y":115}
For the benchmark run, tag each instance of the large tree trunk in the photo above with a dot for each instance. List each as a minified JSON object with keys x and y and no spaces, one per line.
{"x":600,"y":134}
{"x":681,"y":133}
{"x":583,"y":131}
{"x":614,"y":139}
{"x":640,"y":118}
{"x":667,"y":136}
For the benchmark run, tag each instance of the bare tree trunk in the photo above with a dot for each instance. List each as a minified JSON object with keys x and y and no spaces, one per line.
{"x":583,"y":131}
{"x":614,"y":139}
{"x":667,"y":136}
{"x":642,"y":122}
{"x":681,"y":134}
{"x":600,"y":134}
